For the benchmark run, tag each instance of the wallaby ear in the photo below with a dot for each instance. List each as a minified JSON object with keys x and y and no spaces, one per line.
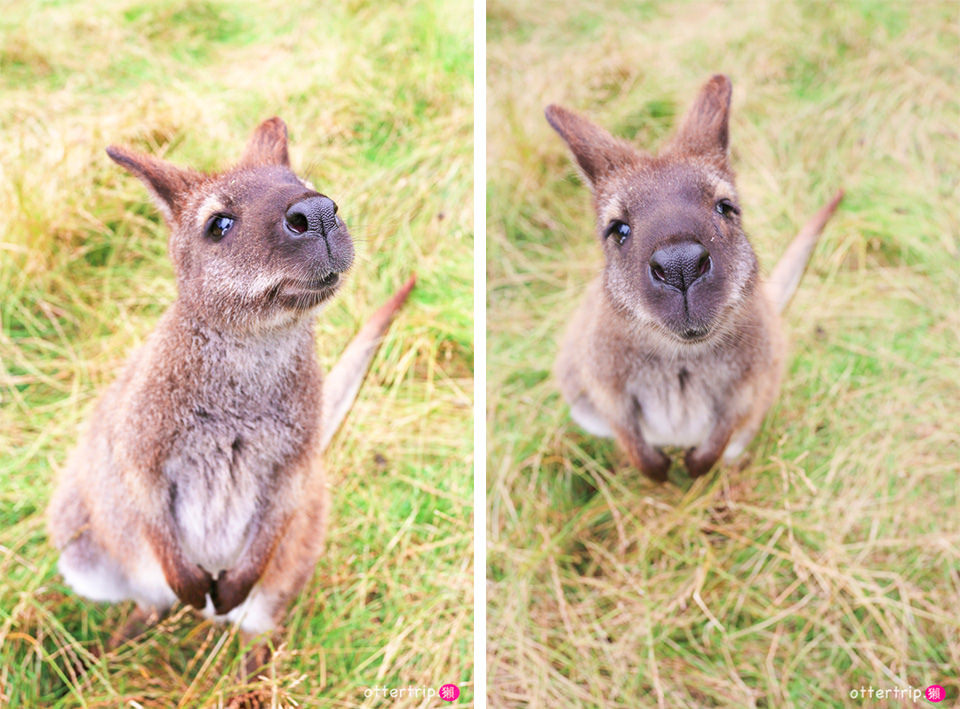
{"x":268,"y":145}
{"x":167,"y":183}
{"x":705,"y":128}
{"x":597,"y":152}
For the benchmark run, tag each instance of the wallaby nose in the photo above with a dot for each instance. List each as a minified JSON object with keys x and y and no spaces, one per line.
{"x":679,"y":265}
{"x":313,"y":216}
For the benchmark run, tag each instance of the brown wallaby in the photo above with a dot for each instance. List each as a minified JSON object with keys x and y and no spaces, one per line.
{"x":678,"y":343}
{"x":199,"y":476}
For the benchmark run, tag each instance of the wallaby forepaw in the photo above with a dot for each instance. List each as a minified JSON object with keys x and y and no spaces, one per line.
{"x":653,"y":463}
{"x":229,"y":591}
{"x":697,"y":463}
{"x":192,"y":585}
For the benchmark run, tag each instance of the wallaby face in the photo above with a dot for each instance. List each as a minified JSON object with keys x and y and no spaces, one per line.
{"x":254,"y":246}
{"x":677,"y":344}
{"x":676,"y":254}
{"x":670,"y":226}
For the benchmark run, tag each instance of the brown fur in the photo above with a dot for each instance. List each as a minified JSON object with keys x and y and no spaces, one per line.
{"x":199,"y":476}
{"x":678,"y":343}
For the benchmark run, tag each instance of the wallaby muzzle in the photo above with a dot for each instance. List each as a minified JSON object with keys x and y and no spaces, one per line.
{"x":315,"y":218}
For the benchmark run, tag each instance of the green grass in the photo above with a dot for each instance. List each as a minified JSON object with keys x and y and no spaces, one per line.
{"x":378,"y":100}
{"x":831,"y":558}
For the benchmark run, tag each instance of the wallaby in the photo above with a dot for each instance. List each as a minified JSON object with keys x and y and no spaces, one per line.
{"x":678,"y":343}
{"x":198,"y":477}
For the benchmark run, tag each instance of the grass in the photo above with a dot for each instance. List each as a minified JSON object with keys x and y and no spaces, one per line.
{"x":378,"y":100}
{"x":830,"y":559}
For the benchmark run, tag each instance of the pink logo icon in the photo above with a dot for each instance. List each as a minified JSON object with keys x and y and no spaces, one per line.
{"x":449,"y":692}
{"x":935,"y":693}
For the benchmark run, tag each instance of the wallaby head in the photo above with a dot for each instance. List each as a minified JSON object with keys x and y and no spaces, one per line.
{"x":254,"y":246}
{"x":670,"y":225}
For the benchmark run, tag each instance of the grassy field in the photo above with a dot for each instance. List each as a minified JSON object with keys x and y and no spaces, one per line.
{"x":378,"y":100}
{"x":829,"y":560}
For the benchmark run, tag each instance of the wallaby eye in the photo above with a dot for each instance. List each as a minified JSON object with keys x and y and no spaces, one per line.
{"x":619,"y":229}
{"x":218,"y":226}
{"x":726,"y":208}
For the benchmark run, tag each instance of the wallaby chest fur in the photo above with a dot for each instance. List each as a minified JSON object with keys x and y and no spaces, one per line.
{"x":678,"y":343}
{"x":242,"y":409}
{"x":198,"y":476}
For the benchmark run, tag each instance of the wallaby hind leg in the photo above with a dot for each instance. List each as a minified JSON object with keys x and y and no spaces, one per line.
{"x":582,"y":408}
{"x":84,"y":564}
{"x":742,"y":437}
{"x":588,"y":418}
{"x":92,"y":572}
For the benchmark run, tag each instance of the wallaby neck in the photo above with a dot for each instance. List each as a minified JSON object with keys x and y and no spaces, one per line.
{"x":260,"y":355}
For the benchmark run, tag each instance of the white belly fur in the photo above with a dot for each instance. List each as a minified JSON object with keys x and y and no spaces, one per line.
{"x":214,"y":529}
{"x":672,"y":419}
{"x":215,"y":503}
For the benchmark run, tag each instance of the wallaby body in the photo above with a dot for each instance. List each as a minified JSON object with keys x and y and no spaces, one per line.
{"x":678,"y":343}
{"x":199,"y":474}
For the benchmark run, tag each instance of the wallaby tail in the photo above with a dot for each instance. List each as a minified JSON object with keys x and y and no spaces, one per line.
{"x":786,"y":275}
{"x":342,"y":384}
